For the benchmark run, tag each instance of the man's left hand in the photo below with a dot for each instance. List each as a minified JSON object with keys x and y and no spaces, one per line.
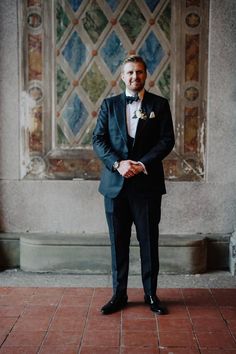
{"x":130,"y":168}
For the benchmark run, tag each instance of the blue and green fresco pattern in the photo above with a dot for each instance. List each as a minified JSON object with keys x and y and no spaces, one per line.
{"x":93,"y":38}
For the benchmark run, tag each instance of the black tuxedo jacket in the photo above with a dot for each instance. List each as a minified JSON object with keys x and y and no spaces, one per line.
{"x":153,"y":142}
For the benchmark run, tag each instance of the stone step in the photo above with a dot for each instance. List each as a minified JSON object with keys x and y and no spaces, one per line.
{"x":9,"y":250}
{"x":90,"y":254}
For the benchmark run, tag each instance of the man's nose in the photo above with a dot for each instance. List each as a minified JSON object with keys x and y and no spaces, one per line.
{"x":134,"y":75}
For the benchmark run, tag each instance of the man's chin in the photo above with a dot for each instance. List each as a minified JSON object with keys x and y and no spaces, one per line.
{"x":136,"y":88}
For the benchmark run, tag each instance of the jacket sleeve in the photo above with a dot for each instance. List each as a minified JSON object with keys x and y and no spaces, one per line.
{"x":101,"y":140}
{"x":166,"y":139}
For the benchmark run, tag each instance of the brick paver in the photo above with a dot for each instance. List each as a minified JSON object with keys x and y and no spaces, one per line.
{"x":68,"y":321}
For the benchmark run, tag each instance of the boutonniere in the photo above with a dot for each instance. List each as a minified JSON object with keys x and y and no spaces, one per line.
{"x":140,"y":114}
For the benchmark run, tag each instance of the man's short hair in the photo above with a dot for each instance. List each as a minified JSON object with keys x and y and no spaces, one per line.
{"x":134,"y":59}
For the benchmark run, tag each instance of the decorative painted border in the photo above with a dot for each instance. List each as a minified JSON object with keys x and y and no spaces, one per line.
{"x":41,"y":160}
{"x":188,"y":160}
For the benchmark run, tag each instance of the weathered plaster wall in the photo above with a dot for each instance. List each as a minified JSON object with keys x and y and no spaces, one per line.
{"x":76,"y":206}
{"x":9,"y":134}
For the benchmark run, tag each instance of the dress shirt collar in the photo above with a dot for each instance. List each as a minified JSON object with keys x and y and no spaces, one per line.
{"x":140,"y":93}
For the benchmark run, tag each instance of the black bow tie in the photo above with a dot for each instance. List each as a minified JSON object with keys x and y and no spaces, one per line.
{"x":131,"y":99}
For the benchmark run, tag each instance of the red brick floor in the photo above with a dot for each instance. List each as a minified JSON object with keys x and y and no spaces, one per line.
{"x":68,"y":321}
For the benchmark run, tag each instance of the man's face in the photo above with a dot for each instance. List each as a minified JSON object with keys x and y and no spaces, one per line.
{"x":134,"y":76}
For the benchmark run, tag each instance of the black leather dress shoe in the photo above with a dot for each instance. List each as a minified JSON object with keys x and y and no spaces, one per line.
{"x":155,"y":304}
{"x":116,"y":303}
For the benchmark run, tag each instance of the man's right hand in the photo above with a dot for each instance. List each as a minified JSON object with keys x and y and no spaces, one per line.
{"x":129,"y":168}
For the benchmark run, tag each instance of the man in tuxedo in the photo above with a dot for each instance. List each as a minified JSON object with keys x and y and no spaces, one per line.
{"x":133,"y":134}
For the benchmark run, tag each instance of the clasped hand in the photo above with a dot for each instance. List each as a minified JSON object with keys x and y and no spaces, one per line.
{"x":129,"y":168}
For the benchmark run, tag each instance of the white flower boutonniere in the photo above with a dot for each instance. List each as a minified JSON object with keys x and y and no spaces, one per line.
{"x":140,"y":114}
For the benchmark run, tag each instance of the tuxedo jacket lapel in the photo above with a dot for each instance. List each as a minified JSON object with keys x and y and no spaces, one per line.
{"x":120,"y":115}
{"x":146,"y":107}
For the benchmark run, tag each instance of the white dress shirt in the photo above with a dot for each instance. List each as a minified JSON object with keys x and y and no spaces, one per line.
{"x":131,"y":108}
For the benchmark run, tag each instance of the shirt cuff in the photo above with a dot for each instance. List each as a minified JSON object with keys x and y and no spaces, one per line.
{"x":144,"y":168}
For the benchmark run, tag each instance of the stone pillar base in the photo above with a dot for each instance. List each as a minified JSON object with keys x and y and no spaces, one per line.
{"x":232,"y":254}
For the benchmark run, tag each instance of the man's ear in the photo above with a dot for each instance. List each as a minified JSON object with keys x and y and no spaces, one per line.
{"x":122,"y":77}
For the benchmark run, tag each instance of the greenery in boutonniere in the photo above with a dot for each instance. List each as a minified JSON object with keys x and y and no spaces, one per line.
{"x":140,"y":114}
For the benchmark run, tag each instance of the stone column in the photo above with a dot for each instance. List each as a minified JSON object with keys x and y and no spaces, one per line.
{"x":232,"y":254}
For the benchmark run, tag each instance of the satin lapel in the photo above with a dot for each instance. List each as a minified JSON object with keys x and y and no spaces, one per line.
{"x":147,"y":108}
{"x":121,"y":115}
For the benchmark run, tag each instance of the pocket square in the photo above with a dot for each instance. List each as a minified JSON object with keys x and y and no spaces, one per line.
{"x":152,"y":115}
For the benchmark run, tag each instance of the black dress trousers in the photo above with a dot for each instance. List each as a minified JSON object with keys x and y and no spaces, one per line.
{"x":121,"y":213}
